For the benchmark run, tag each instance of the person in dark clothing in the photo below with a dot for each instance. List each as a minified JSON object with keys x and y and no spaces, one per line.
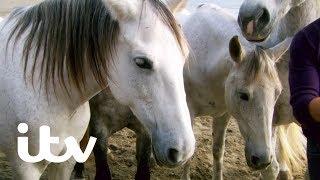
{"x":304,"y":80}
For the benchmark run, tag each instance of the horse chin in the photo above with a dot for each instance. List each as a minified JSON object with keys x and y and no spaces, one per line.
{"x":259,"y":167}
{"x":256,"y":39}
{"x":162,"y":163}
{"x":158,"y":160}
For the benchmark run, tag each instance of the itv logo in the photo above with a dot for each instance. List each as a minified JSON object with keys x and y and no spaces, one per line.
{"x":45,"y":142}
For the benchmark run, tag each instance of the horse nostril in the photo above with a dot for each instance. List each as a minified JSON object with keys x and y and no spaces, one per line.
{"x":255,"y":160}
{"x":264,"y":17}
{"x":173,"y":155}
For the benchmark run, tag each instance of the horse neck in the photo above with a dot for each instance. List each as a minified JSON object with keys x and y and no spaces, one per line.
{"x":209,"y":63}
{"x":201,"y":81}
{"x":73,"y":98}
{"x":297,"y":18}
{"x":55,"y":94}
{"x":91,"y":89}
{"x":283,"y":109}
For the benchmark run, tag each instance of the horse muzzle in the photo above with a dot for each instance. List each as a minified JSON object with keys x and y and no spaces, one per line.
{"x":258,"y":162}
{"x":256,"y":25}
{"x":172,"y":152}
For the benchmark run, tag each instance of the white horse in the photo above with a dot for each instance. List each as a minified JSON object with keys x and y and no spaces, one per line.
{"x":209,"y":71}
{"x":249,"y":83}
{"x":58,"y":54}
{"x":272,"y":22}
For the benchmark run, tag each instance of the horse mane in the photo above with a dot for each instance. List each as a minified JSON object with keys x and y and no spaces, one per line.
{"x":258,"y":63}
{"x":72,"y":35}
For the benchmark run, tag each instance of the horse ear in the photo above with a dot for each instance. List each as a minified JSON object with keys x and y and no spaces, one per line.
{"x":235,"y":49}
{"x":123,"y":9}
{"x":279,"y":50}
{"x":175,"y":5}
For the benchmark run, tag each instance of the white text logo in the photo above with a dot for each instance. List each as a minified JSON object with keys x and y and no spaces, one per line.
{"x":72,"y":147}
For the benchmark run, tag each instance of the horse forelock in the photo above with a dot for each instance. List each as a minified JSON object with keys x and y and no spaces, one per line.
{"x":169,"y":20}
{"x":71,"y":35}
{"x":258,"y":63}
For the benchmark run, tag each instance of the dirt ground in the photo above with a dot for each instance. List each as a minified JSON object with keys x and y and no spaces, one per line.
{"x":123,"y":164}
{"x":122,"y":146}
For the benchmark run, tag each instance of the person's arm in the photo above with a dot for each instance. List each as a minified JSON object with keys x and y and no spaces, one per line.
{"x":304,"y":80}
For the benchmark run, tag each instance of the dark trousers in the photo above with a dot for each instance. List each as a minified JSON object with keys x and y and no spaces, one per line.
{"x":313,"y":154}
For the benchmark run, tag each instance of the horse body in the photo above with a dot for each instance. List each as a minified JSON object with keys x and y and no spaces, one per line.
{"x":21,"y":103}
{"x":207,"y":72}
{"x":33,"y":97}
{"x":208,"y":66}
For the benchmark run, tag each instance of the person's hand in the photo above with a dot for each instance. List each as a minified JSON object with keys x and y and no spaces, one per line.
{"x":314,"y":109}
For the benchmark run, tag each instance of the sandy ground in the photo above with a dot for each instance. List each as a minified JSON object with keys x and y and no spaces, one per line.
{"x":122,"y":145}
{"x":123,"y":164}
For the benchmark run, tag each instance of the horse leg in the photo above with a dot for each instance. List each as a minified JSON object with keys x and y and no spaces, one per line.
{"x":79,"y":171}
{"x":79,"y":168}
{"x":23,"y":170}
{"x":219,"y":127}
{"x":143,"y":154}
{"x":61,"y":171}
{"x":100,"y":152}
{"x":186,"y":171}
{"x":26,"y":171}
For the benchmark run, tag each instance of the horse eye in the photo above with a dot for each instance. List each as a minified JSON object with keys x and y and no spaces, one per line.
{"x":244,"y":96}
{"x":143,"y":62}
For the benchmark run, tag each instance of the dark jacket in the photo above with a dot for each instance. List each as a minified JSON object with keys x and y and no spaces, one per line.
{"x":304,"y":77}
